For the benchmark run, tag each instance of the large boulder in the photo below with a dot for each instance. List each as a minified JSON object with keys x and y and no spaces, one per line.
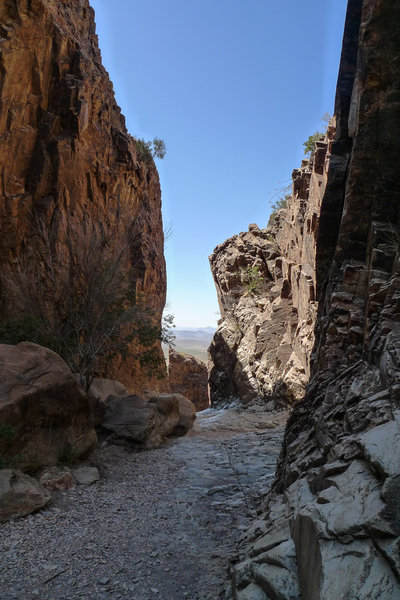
{"x":132,"y":419}
{"x":147,"y":423}
{"x":99,"y":391}
{"x":45,"y":416}
{"x":186,"y":410}
{"x":20,"y":494}
{"x":189,"y":376}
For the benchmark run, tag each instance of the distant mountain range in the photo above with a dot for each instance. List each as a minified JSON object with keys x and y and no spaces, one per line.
{"x":194,"y":341}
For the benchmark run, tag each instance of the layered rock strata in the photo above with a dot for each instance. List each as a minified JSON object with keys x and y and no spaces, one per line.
{"x":189,"y":376}
{"x":67,"y":160}
{"x":265,"y":280}
{"x":331,"y":524}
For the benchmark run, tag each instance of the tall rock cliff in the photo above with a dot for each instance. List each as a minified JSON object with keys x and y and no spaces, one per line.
{"x":65,"y":155}
{"x":265,"y":280}
{"x":331,"y":523}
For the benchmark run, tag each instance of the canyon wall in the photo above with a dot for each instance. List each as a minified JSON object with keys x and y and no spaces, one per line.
{"x":67,"y":161}
{"x":266,"y":287}
{"x":330,"y":527}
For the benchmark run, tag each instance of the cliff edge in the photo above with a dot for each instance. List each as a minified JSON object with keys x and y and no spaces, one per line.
{"x":68,"y":164}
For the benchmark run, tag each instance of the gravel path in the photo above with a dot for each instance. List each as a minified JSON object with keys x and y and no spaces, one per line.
{"x":159,"y":525}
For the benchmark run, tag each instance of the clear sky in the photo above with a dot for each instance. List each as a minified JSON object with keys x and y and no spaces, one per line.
{"x":233,"y":87}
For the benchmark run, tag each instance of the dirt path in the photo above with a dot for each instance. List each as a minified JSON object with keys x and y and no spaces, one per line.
{"x":160,"y":525}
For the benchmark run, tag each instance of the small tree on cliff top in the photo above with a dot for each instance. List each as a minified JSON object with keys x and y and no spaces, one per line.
{"x":309,"y":144}
{"x":147,"y":150}
{"x":79,"y":301}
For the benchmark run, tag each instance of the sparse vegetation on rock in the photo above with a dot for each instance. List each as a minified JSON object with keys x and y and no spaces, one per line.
{"x":81,"y":303}
{"x":251,"y":279}
{"x":148,"y":150}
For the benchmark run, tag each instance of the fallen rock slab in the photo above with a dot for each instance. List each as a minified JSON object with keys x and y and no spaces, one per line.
{"x":20,"y":494}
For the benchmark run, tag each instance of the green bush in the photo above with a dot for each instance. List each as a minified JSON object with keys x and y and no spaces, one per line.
{"x":277,"y":206}
{"x":309,"y":144}
{"x":84,"y":308}
{"x":251,"y":279}
{"x":148,"y":150}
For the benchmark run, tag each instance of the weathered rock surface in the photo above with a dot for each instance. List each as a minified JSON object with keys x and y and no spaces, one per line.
{"x":20,"y":494}
{"x":265,"y":280}
{"x":99,"y":391}
{"x":189,"y":376}
{"x":333,"y":514}
{"x":45,"y":415}
{"x":57,"y":478}
{"x":67,"y":160}
{"x":187,"y":413}
{"x":147,"y":423}
{"x":86,"y":475}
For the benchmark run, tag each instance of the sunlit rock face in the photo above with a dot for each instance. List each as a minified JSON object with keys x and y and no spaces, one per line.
{"x":66,"y":156}
{"x":189,"y":376}
{"x":265,"y":280}
{"x":332,"y":517}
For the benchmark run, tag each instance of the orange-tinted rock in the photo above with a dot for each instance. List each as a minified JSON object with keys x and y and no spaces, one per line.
{"x":66,"y":155}
{"x":189,"y":376}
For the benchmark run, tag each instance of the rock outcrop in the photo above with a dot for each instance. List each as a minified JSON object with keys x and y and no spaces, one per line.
{"x":265,"y":280}
{"x":331,"y":523}
{"x":45,"y":416}
{"x":68,"y":163}
{"x":189,"y":376}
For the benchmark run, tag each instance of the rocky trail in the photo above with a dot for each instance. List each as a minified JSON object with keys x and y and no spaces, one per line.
{"x":159,"y":525}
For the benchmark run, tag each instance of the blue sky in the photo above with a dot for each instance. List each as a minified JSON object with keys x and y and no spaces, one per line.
{"x":233,"y":87}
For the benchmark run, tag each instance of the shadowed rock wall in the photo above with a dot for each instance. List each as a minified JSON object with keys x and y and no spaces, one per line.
{"x":331,"y":524}
{"x":65,"y":153}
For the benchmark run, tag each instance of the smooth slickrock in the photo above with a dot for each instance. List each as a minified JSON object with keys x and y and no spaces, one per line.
{"x":20,"y":494}
{"x":45,"y":415}
{"x":263,"y":344}
{"x":338,"y":478}
{"x":188,"y":376}
{"x":68,"y":161}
